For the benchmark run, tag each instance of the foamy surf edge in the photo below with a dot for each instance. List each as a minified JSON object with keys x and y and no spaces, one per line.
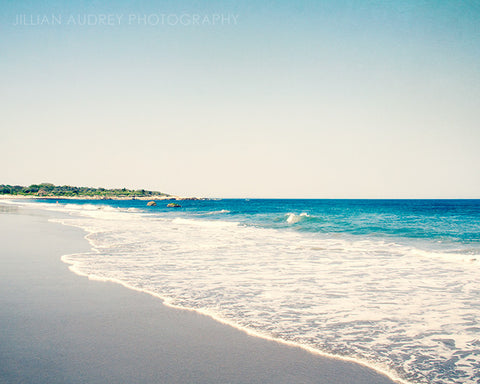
{"x":74,"y":267}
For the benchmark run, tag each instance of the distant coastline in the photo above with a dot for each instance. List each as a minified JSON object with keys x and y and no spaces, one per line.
{"x":86,"y":197}
{"x":56,"y":192}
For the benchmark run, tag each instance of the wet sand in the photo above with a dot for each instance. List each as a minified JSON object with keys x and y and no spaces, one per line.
{"x":57,"y":327}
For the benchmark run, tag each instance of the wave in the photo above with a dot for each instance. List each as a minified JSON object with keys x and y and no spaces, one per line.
{"x":292,"y":218}
{"x":217,"y":212}
{"x":205,"y":223}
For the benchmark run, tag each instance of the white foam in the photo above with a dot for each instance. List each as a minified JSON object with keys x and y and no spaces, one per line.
{"x":292,"y":218}
{"x":447,"y":257}
{"x":217,"y":212}
{"x":205,"y":223}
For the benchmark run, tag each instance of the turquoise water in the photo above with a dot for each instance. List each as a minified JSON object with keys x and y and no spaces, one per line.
{"x":393,"y":284}
{"x":448,"y":225}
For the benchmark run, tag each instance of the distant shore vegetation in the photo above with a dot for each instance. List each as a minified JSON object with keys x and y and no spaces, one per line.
{"x":51,"y":190}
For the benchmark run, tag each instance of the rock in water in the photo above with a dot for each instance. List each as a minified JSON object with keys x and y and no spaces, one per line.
{"x":174,"y":205}
{"x":151,"y":204}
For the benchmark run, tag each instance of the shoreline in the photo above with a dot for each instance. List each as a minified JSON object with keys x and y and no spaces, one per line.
{"x":337,"y":370}
{"x":316,"y":352}
{"x":97,"y":198}
{"x":250,"y":332}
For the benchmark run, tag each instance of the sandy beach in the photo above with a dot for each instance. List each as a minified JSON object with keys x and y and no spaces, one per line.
{"x":58,"y":327}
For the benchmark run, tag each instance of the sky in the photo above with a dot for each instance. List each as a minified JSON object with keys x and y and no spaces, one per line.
{"x":280,"y":99}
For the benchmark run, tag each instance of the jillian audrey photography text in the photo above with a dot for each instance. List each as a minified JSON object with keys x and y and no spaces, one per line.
{"x":133,"y":19}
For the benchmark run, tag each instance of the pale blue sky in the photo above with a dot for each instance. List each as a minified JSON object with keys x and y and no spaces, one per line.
{"x":336,"y":99}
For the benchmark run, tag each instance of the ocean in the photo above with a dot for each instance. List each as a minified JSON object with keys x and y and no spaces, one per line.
{"x":392,"y":284}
